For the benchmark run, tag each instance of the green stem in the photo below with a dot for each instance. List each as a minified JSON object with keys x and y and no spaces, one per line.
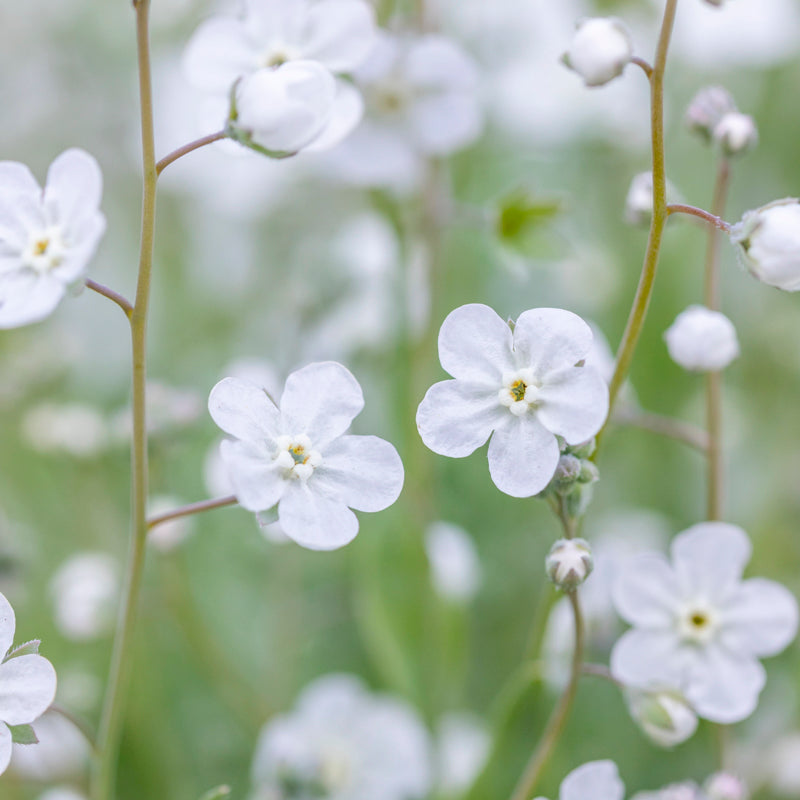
{"x":714,"y":379}
{"x":644,"y":291}
{"x":188,"y":148}
{"x":104,"y":764}
{"x":675,"y":429}
{"x":115,"y":297}
{"x":558,"y":718}
{"x":192,"y":508}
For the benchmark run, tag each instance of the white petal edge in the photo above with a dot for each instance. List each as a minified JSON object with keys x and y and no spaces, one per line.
{"x":597,"y":780}
{"x":257,"y":481}
{"x":32,"y":299}
{"x":8,"y":625}
{"x":546,"y":339}
{"x":648,"y":659}
{"x":348,"y":110}
{"x":74,"y":187}
{"x":27,"y":688}
{"x":341,"y":34}
{"x":315,"y":521}
{"x":574,"y":403}
{"x":6,"y":747}
{"x":645,"y":591}
{"x":244,"y":410}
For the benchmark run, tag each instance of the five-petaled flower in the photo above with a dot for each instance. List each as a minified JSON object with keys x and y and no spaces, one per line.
{"x":296,"y":454}
{"x":47,"y":237}
{"x":699,"y":628}
{"x":522,"y":388}
{"x":27,"y":684}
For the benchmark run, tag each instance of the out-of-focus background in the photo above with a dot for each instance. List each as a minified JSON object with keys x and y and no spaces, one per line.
{"x":262,"y":267}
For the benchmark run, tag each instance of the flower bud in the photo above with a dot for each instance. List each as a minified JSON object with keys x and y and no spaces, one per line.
{"x":725,"y":786}
{"x":600,"y":50}
{"x":639,"y":201}
{"x":569,"y":563}
{"x":702,"y":340}
{"x":664,"y":716}
{"x":707,"y":109}
{"x":736,"y":133}
{"x":769,"y":243}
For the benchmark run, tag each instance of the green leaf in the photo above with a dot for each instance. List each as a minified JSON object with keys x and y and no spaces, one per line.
{"x":217,"y":793}
{"x":30,"y":648}
{"x":520,"y":215}
{"x":23,"y":734}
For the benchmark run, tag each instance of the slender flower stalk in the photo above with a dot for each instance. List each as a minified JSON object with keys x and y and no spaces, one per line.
{"x":188,"y":148}
{"x":660,"y":213}
{"x":121,"y":301}
{"x":104,"y":763}
{"x":714,"y":379}
{"x":711,"y":219}
{"x":192,"y":508}
{"x":676,"y":429}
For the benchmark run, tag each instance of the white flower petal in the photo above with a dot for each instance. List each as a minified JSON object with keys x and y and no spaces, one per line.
{"x":573,"y":403}
{"x":27,"y":297}
{"x":6,"y":747}
{"x":597,"y":780}
{"x":435,"y":62}
{"x":646,"y":591}
{"x":7,"y":626}
{"x":27,"y":688}
{"x":523,"y":456}
{"x":724,"y":687}
{"x":316,"y":521}
{"x":348,"y":110}
{"x":710,"y":556}
{"x":74,"y":187}
{"x":364,"y":472}
{"x":445,"y":123}
{"x":219,"y":52}
{"x":16,"y":178}
{"x":87,"y":236}
{"x":340,"y":34}
{"x":547,"y":339}
{"x":760,"y":618}
{"x":244,"y":410}
{"x":321,"y":400}
{"x":20,"y":213}
{"x":456,"y":417}
{"x":649,"y":659}
{"x":475,"y":344}
{"x":257,"y":480}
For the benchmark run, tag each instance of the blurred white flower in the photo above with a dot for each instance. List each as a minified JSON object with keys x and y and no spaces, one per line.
{"x":664,"y":716}
{"x":707,"y":109}
{"x":725,"y":786}
{"x":168,"y":535}
{"x":27,"y":684}
{"x":520,"y":388}
{"x":84,"y":591}
{"x":62,"y":751}
{"x":286,"y":56}
{"x":62,"y":793}
{"x":736,"y":133}
{"x":422,"y":100}
{"x":600,"y":50}
{"x":684,"y":790}
{"x":702,"y":340}
{"x":72,"y":428}
{"x":462,"y":747}
{"x":768,"y":242}
{"x":342,"y":742}
{"x":456,"y":571}
{"x":168,"y":408}
{"x":296,"y":454}
{"x":595,"y":780}
{"x":783,"y":765}
{"x":47,"y":237}
{"x":639,"y":200}
{"x":698,"y":627}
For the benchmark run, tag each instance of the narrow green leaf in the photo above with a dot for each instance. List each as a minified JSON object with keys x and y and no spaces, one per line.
{"x":23,"y":734}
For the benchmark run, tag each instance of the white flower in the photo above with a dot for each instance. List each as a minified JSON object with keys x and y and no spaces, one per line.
{"x":27,"y":684}
{"x":569,"y":563}
{"x":462,"y":747}
{"x":725,"y":786}
{"x":84,"y":591}
{"x":600,"y":50}
{"x":707,"y":109}
{"x":520,"y":388}
{"x":664,"y":716}
{"x":455,"y":567}
{"x":699,"y":628}
{"x":47,"y":237}
{"x":61,"y":753}
{"x":702,"y":340}
{"x":769,"y":243}
{"x":595,"y":780}
{"x":639,"y":200}
{"x":342,"y":742}
{"x":287,"y":55}
{"x":296,"y":454}
{"x":62,"y":793}
{"x":421,"y":100}
{"x":684,"y":790}
{"x":736,"y":133}
{"x":73,"y":428}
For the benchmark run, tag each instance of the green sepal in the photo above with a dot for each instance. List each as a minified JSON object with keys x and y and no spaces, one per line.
{"x":519,"y":215}
{"x":23,"y":734}
{"x":30,"y":648}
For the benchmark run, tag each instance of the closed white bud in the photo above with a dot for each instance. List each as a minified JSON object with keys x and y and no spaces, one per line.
{"x":664,"y":716}
{"x":600,"y":50}
{"x":725,"y":786}
{"x":639,"y":201}
{"x":569,"y":563}
{"x":736,"y":133}
{"x":707,"y":109}
{"x":702,"y":340}
{"x":769,"y":243}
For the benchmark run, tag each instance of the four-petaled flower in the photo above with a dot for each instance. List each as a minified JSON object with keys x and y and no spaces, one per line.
{"x":699,"y":628}
{"x":522,"y":388}
{"x":595,"y":780}
{"x":295,"y":454}
{"x":27,"y":684}
{"x":46,"y":237}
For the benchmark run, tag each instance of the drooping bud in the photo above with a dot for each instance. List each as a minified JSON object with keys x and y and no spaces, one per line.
{"x":769,"y":243}
{"x":664,"y":716}
{"x":600,"y":50}
{"x":725,"y":786}
{"x":707,"y":109}
{"x":702,"y":340}
{"x":736,"y":134}
{"x":569,"y":563}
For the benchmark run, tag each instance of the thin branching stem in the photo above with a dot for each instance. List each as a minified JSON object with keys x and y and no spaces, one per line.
{"x":711,"y":219}
{"x":188,"y":148}
{"x":672,"y":428}
{"x":645,"y":65}
{"x":121,"y":301}
{"x":192,"y":508}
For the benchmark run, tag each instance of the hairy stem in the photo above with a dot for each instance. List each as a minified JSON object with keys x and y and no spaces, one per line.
{"x":644,"y":290}
{"x":188,"y":148}
{"x":192,"y":508}
{"x":558,"y":718}
{"x":711,"y":219}
{"x":122,"y":302}
{"x":104,"y":764}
